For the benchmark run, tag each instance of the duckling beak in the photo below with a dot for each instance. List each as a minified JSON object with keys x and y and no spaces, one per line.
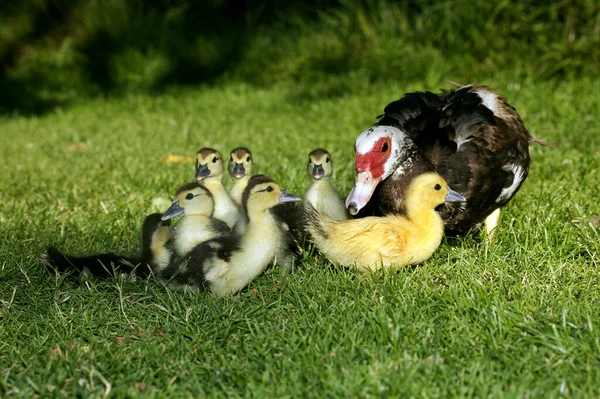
{"x":318,"y":172}
{"x":174,"y":210}
{"x":202,"y":172}
{"x":361,"y":193}
{"x":287,"y":197}
{"x":453,"y":196}
{"x":238,"y":170}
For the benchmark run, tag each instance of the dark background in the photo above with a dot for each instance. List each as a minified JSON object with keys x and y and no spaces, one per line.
{"x":56,"y":52}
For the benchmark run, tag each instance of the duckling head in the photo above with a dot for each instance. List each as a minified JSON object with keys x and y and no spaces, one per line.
{"x":240,"y":163}
{"x":209,"y":163}
{"x":428,"y":191}
{"x":379,"y":152}
{"x":320,"y":165}
{"x":191,"y":199}
{"x":262,"y":194}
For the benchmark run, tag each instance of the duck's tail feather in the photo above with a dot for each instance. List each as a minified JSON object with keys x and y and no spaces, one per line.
{"x":154,"y":255}
{"x":318,"y":225}
{"x":105,"y":265}
{"x":535,"y":140}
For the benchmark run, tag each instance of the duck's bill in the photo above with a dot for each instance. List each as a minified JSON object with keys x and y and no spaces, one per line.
{"x":453,"y":196}
{"x":287,"y":197}
{"x":238,"y":170}
{"x":173,"y":211}
{"x":318,"y":172}
{"x":364,"y":187}
{"x":202,"y":172}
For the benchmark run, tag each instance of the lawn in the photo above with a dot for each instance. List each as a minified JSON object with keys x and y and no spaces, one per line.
{"x":519,"y":317}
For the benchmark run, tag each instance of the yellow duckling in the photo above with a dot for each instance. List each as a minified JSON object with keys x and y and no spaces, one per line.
{"x":228,"y":263}
{"x":321,"y":194}
{"x":209,"y":167}
{"x":195,"y":203}
{"x":391,"y":241}
{"x":240,"y":169}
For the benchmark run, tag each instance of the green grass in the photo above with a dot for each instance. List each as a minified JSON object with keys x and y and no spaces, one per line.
{"x":516,"y":318}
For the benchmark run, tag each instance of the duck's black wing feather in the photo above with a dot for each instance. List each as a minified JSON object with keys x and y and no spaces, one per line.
{"x":414,"y":114}
{"x":481,"y":151}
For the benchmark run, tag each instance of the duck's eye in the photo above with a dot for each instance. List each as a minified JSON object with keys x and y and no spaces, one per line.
{"x":385,"y":147}
{"x":214,"y":160}
{"x":327,"y":160}
{"x":189,"y":196}
{"x":269,"y":189}
{"x":437,"y":187}
{"x":231,"y":158}
{"x":248,"y":159}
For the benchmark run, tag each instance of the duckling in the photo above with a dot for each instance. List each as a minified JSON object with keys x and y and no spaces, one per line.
{"x":195,"y":203}
{"x":209,"y":167}
{"x":321,"y":194}
{"x":227,"y":264}
{"x":240,"y":169}
{"x":391,"y":241}
{"x":154,"y":255}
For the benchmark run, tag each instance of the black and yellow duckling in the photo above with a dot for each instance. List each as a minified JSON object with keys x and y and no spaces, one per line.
{"x":195,"y":202}
{"x":391,"y":241}
{"x":240,"y":169}
{"x":209,"y":168}
{"x":321,"y":194}
{"x":228,"y":263}
{"x":154,"y":255}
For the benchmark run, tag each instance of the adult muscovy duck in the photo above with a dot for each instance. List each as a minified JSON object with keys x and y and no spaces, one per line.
{"x":471,"y":136}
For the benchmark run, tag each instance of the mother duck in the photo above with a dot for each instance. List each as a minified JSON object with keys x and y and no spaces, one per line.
{"x":471,"y":136}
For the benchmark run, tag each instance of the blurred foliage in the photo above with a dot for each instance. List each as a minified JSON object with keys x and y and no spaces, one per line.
{"x":53,"y":52}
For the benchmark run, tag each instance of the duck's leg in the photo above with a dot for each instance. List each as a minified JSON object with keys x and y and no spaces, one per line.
{"x":490,"y":223}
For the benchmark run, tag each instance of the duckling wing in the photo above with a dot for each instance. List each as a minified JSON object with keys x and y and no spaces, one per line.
{"x":219,"y":228}
{"x":204,"y":263}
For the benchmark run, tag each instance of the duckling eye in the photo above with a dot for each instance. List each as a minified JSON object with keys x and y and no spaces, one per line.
{"x":437,"y":187}
{"x":248,"y":159}
{"x":269,"y":189}
{"x":384,"y":147}
{"x":327,"y":160}
{"x":214,"y":160}
{"x":189,"y":196}
{"x":231,"y":158}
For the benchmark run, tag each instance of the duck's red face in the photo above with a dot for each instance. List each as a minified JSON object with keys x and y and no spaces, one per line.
{"x":373,"y":149}
{"x":375,"y":159}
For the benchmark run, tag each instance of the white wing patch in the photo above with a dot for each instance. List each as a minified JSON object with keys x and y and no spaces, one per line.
{"x":489,"y":100}
{"x":460,"y":141}
{"x":508,"y":192}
